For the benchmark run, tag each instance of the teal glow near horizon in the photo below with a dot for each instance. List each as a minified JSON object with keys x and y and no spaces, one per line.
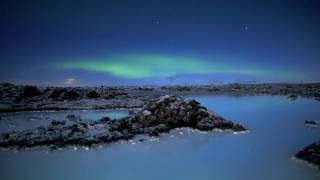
{"x":159,"y":66}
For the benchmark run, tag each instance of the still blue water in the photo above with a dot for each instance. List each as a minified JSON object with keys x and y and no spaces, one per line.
{"x":277,"y":132}
{"x":26,"y":120}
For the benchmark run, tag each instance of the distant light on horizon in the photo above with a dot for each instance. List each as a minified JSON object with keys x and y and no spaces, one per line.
{"x":70,"y":81}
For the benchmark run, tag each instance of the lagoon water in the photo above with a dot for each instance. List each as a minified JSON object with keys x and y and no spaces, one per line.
{"x":277,"y":132}
{"x":27,"y":120}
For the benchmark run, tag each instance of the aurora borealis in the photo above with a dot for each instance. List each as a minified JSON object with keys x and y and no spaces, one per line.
{"x":155,"y":66}
{"x":159,"y":42}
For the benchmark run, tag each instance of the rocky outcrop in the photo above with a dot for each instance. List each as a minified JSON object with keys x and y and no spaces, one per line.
{"x":158,"y":116}
{"x":92,"y":95}
{"x":30,"y":91}
{"x":292,"y":97}
{"x":173,"y":111}
{"x":63,"y":94}
{"x":310,"y":154}
{"x":311,"y":123}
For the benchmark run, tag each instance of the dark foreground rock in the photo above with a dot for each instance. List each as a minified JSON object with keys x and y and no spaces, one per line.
{"x":158,"y":116}
{"x":310,"y":154}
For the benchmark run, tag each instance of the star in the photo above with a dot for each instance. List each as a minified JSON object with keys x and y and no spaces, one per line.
{"x":156,"y":22}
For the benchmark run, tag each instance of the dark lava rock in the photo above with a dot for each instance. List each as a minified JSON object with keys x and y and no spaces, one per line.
{"x":177,"y":112}
{"x":92,"y":95}
{"x":55,"y":94}
{"x":7,"y":84}
{"x":310,"y":154}
{"x":292,"y":97}
{"x":63,"y":94}
{"x":56,"y":123}
{"x":71,"y":116}
{"x":158,"y":116}
{"x":105,"y":119}
{"x":317,"y":96}
{"x":30,"y":91}
{"x":311,"y":123}
{"x":70,"y":95}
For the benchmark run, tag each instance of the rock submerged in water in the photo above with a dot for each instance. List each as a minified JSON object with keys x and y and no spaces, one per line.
{"x":311,"y":123}
{"x":293,"y":97}
{"x":310,"y":154}
{"x":158,"y":116}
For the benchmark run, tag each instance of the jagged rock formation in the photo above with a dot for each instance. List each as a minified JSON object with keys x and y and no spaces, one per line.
{"x":173,"y":111}
{"x":158,"y":116}
{"x":310,"y":154}
{"x":30,"y":91}
{"x":63,"y":94}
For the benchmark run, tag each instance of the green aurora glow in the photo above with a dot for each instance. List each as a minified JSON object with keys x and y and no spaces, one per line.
{"x":147,"y":66}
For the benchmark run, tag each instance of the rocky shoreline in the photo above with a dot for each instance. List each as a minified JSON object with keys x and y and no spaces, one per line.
{"x":157,"y":116}
{"x":31,"y":98}
{"x":310,"y":154}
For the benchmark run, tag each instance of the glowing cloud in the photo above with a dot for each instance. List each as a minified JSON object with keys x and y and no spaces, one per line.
{"x":70,"y":81}
{"x":145,"y":66}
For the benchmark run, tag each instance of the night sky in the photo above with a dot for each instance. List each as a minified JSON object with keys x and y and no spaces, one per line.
{"x":161,"y":42}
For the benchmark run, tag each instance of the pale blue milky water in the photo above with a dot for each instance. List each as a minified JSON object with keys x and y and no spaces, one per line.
{"x":277,"y":132}
{"x":25,"y":120}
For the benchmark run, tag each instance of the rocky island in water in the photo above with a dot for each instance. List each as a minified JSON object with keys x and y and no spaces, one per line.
{"x":159,"y":115}
{"x":310,"y":154}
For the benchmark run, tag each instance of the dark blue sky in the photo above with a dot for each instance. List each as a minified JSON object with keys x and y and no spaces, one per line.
{"x":159,"y":42}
